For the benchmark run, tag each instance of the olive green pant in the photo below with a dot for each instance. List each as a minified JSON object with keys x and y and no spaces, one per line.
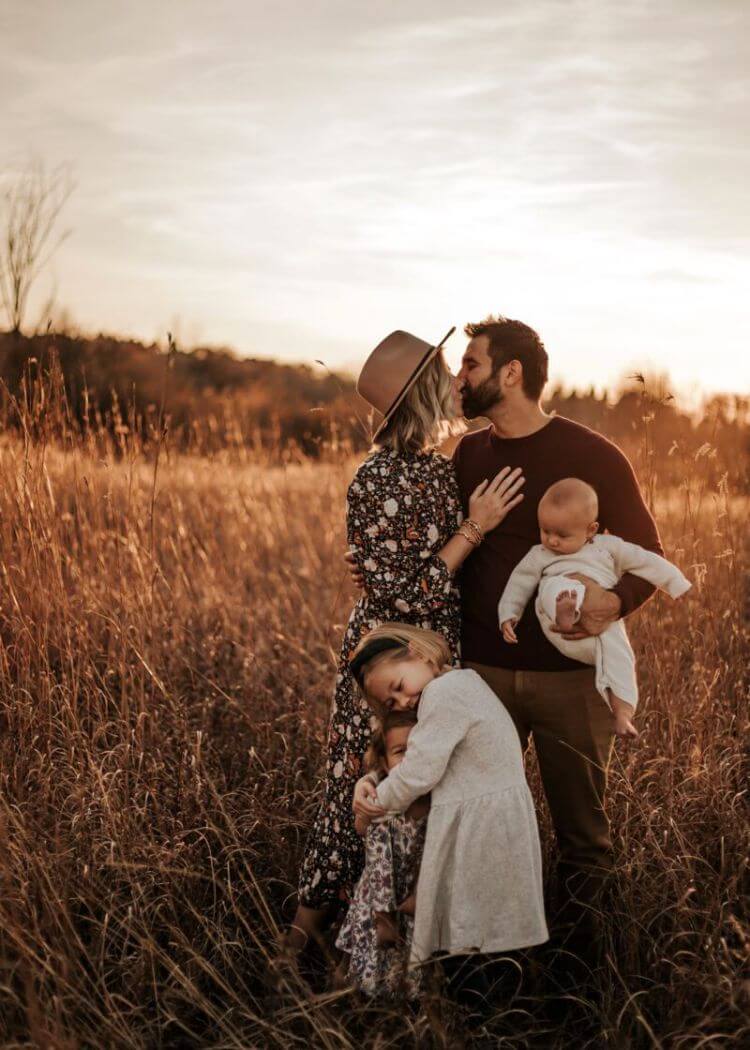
{"x":572,"y":730}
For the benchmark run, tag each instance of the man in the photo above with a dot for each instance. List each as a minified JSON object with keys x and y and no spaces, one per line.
{"x":550,"y":697}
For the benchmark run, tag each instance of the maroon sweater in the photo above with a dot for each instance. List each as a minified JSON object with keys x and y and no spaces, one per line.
{"x":561,"y":449}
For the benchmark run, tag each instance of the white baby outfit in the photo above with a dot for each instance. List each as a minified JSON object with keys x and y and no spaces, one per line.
{"x":480,"y":882}
{"x":604,"y":559}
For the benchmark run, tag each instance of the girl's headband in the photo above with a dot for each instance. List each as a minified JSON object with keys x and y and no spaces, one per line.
{"x":377,"y":645}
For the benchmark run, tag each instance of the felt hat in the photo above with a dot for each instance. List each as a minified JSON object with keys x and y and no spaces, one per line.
{"x":392,"y":369}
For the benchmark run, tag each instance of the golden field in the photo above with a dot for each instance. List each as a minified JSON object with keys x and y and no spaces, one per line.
{"x":169,"y":629}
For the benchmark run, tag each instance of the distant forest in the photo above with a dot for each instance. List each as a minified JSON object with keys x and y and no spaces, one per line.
{"x":210,"y":399}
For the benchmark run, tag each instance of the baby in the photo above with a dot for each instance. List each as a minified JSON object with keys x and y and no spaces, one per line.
{"x":571,"y":544}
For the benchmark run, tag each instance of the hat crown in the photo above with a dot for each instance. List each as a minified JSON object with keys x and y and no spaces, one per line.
{"x":392,"y":367}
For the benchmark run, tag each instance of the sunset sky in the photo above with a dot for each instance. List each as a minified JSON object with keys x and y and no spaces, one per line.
{"x":296,"y":179}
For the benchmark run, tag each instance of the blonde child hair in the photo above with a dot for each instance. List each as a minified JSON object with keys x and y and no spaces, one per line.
{"x":395,"y":641}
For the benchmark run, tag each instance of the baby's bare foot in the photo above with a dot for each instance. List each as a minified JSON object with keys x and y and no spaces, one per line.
{"x":623,"y":716}
{"x":566,"y":613}
{"x":624,"y":727}
{"x":386,"y":928}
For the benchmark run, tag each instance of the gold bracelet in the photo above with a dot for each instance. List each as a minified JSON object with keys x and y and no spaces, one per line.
{"x":474,"y":527}
{"x":468,"y":535}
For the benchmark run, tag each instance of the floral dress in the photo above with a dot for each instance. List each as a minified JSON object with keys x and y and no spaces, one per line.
{"x":401,"y":510}
{"x":393,"y":851}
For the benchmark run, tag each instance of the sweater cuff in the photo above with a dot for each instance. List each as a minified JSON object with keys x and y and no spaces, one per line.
{"x":382,"y":799}
{"x":679,"y":586}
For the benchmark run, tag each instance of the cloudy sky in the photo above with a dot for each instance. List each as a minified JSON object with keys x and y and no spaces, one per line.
{"x":295,"y":179}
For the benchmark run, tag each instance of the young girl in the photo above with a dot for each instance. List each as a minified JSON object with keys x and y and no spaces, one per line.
{"x":376,"y":933}
{"x":480,"y":882}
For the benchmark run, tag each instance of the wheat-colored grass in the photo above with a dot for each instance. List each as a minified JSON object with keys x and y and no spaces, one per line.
{"x":168,"y":632}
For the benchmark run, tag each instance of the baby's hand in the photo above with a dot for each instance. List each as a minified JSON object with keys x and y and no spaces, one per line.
{"x":508,"y":633}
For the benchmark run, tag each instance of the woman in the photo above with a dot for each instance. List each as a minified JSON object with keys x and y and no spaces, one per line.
{"x":406,"y":528}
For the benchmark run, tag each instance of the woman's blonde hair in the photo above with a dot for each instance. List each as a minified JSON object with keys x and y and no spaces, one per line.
{"x":377,"y":753}
{"x":406,"y":640}
{"x":426,"y":416}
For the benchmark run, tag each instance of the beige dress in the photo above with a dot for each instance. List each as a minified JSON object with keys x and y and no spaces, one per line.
{"x":480,"y":883}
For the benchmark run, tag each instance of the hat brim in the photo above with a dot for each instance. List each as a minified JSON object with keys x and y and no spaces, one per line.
{"x":429,"y":355}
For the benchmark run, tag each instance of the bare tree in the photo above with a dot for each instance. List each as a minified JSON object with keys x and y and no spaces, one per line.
{"x":29,"y":210}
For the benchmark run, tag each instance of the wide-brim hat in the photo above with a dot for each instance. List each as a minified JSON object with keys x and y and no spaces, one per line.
{"x":392,"y":369}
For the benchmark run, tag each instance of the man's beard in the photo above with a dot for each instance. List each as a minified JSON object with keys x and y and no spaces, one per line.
{"x":481,"y":399}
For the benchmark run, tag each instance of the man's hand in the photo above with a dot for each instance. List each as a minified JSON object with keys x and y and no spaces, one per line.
{"x":364,"y":794}
{"x":509,"y":633}
{"x":351,"y":563}
{"x":599,"y":610}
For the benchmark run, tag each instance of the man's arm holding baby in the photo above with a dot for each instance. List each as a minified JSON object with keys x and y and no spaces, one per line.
{"x":623,"y":512}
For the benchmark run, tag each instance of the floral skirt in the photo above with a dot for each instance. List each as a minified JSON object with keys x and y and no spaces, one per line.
{"x":393,"y":851}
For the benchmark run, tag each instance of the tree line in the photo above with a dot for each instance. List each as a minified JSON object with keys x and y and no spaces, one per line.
{"x":211,"y":399}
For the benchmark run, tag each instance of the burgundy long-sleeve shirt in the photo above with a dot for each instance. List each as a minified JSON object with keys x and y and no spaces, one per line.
{"x":561,"y":449}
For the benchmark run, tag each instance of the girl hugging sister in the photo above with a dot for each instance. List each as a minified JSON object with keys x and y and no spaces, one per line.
{"x":479,"y":888}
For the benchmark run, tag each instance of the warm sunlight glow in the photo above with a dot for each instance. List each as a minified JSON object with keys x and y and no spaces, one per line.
{"x":295,"y":181}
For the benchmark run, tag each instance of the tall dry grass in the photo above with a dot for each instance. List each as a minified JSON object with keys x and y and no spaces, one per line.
{"x":169,"y":627}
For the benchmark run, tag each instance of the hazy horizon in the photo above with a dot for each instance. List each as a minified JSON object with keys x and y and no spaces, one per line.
{"x":297,"y":181}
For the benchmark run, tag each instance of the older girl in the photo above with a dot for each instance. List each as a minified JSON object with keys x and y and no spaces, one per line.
{"x":405,"y":525}
{"x":480,"y":882}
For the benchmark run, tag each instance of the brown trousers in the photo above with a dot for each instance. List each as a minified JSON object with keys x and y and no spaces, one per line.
{"x":572,"y":729}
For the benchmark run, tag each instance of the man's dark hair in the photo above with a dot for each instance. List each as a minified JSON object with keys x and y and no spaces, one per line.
{"x":514,"y":341}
